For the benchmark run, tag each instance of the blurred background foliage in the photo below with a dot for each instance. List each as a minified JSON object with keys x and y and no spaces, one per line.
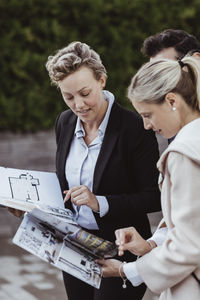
{"x":31,"y":30}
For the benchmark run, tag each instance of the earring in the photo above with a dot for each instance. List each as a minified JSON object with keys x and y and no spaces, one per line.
{"x":173,"y":108}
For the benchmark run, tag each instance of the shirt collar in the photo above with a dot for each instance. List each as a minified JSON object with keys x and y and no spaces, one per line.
{"x":110,"y":98}
{"x":79,"y":130}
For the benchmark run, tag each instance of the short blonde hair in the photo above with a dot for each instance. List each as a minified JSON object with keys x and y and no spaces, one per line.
{"x":69,"y":59}
{"x":157,"y":78}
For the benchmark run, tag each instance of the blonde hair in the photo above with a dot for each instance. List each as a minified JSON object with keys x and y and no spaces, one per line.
{"x":157,"y":78}
{"x":70,"y":59}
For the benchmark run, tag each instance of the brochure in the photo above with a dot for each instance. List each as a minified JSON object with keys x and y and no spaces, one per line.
{"x":49,"y":230}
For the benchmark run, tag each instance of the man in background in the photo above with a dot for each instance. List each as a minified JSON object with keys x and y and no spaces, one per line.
{"x":171,"y":44}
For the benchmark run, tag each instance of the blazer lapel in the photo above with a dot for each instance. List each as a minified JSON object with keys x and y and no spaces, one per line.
{"x":108,"y":145}
{"x":66,"y":138}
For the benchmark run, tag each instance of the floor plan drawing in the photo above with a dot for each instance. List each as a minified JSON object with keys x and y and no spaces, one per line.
{"x":25,"y":187}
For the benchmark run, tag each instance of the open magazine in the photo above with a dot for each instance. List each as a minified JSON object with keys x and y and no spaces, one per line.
{"x":48,"y":230}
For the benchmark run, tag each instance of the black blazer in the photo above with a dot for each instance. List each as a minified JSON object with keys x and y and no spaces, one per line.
{"x":125,"y":171}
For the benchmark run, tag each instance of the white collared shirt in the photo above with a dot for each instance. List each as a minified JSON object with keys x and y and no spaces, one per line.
{"x":80,"y":166}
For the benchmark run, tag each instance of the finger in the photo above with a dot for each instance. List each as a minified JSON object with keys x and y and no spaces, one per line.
{"x":75,"y":188}
{"x":81,"y":190}
{"x":117,"y":233}
{"x":68,"y":193}
{"x":123,"y":248}
{"x":77,"y":193}
{"x":67,"y":196}
{"x":120,"y":237}
{"x":127,"y":235}
{"x":72,"y":192}
{"x":79,"y":202}
{"x":120,"y":251}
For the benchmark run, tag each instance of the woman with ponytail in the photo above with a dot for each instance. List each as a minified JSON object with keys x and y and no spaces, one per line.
{"x":166,"y":94}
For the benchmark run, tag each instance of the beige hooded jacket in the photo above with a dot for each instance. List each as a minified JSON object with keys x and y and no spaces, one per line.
{"x":167,"y":269}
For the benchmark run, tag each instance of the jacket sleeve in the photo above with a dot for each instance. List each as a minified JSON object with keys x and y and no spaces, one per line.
{"x":170,"y":263}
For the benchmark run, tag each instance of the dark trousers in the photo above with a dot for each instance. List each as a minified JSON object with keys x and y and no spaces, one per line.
{"x":111,"y":288}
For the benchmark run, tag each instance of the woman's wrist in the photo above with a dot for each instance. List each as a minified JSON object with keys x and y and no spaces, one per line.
{"x":150,"y":245}
{"x":121,"y":270}
{"x":122,"y":274}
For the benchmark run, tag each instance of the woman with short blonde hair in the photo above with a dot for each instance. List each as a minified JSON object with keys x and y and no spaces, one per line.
{"x":105,"y":161}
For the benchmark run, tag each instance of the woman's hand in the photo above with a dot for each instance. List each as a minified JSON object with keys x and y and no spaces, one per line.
{"x":110,"y":267}
{"x":81,"y":195}
{"x":129,"y":239}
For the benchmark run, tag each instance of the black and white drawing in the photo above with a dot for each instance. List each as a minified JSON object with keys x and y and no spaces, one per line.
{"x":24,"y":187}
{"x":27,"y":189}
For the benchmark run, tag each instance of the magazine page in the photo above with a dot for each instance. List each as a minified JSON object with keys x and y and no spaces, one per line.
{"x":59,"y":218}
{"x":80,"y":264}
{"x":63,"y":220}
{"x":63,"y":213}
{"x":39,"y":239}
{"x":25,"y":189}
{"x":93,"y":244}
{"x":49,"y":244}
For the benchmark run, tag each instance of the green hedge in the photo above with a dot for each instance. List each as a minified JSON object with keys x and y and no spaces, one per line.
{"x":31,"y":30}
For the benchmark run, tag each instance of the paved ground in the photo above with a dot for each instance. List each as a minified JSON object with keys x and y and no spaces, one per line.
{"x":23,"y":276}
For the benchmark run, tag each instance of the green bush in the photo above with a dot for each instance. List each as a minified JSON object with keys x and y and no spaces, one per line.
{"x":31,"y":30}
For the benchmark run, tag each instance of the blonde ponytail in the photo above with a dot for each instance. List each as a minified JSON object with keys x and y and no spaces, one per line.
{"x":194,"y":66}
{"x":157,"y":78}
